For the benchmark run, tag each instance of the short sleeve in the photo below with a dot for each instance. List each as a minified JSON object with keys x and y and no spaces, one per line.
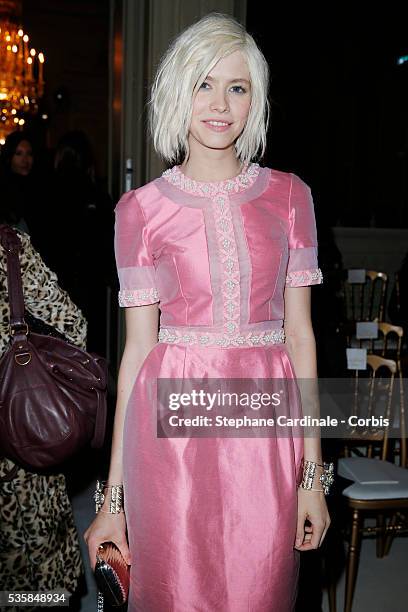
{"x":134,"y":262}
{"x":303,"y":267}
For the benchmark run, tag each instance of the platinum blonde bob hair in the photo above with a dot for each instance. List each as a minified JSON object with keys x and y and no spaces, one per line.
{"x":181,"y":72}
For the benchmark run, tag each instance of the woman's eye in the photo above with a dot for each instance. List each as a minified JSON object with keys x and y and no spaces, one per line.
{"x":235,"y":88}
{"x":238,"y":89}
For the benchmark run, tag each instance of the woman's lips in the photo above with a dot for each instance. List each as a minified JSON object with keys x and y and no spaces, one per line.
{"x":217,"y":126}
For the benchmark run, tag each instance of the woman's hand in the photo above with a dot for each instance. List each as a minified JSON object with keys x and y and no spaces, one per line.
{"x":107,"y":527}
{"x":312,"y":507}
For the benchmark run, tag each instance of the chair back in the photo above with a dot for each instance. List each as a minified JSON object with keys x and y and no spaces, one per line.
{"x":365,"y":301}
{"x":389,"y":342}
{"x":378,"y":398}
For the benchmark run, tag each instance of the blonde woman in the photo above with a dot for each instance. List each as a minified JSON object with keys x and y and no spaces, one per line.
{"x":228,"y":249}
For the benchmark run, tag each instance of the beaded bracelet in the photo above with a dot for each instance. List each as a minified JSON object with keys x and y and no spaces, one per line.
{"x":116,"y":497}
{"x":326,"y":479}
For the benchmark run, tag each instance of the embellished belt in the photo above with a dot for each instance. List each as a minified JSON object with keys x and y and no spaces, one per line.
{"x":177,"y":336}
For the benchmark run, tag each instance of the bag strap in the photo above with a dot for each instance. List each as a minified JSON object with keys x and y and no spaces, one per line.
{"x":11,"y":243}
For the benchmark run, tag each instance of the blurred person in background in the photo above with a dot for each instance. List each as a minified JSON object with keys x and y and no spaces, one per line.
{"x":21,"y":201}
{"x":39,"y":546}
{"x":80,"y":237}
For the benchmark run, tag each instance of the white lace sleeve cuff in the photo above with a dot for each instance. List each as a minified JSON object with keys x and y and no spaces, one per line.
{"x":303,"y":278}
{"x":138,"y":297}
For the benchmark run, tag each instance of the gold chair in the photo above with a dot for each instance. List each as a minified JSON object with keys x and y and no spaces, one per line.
{"x":379,"y":486}
{"x":363,"y":440}
{"x":366,"y":301}
{"x":389,"y":345}
{"x":389,"y":342}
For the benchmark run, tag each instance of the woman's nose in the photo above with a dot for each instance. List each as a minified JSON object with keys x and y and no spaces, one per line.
{"x":219,"y":102}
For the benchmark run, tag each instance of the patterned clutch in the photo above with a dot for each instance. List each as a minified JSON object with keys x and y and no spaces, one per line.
{"x":112,"y":574}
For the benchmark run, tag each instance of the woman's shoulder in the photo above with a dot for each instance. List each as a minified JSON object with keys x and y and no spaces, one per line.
{"x":139,"y":196}
{"x":284,"y":180}
{"x":287,"y":192}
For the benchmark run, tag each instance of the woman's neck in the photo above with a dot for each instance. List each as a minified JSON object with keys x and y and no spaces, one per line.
{"x":211,"y":170}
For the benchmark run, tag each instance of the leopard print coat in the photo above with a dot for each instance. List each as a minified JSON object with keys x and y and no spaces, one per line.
{"x":39,"y":546}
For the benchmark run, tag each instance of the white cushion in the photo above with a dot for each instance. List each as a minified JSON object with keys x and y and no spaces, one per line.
{"x":373,"y":478}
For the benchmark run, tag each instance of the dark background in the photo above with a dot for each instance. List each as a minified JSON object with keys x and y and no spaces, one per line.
{"x":339,"y":100}
{"x":74,"y":37}
{"x":340,"y":107}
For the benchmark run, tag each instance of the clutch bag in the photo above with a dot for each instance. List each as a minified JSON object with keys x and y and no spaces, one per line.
{"x":112,"y":574}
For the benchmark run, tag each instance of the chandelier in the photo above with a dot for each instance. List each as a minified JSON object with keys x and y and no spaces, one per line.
{"x":21,"y":71}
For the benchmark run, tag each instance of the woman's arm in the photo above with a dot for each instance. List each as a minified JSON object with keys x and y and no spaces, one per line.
{"x":301,"y":347}
{"x":141,"y":336}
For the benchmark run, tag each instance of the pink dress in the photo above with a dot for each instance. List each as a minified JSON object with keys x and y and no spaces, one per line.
{"x":212,"y":521}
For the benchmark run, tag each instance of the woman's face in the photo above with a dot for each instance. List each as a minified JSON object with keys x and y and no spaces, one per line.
{"x":22,"y":160}
{"x":221,"y":105}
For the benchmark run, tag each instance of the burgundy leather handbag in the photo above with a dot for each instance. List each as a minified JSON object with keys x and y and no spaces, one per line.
{"x":53,"y":395}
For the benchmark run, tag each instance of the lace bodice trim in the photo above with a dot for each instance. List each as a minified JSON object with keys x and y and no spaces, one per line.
{"x":188,"y":338}
{"x":210,"y":189}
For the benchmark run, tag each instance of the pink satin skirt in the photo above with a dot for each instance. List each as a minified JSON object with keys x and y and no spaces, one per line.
{"x":211,"y":521}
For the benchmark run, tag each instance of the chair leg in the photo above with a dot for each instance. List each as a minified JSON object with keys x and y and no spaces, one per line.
{"x":380,"y":543}
{"x":390,"y":535}
{"x":353,"y":557}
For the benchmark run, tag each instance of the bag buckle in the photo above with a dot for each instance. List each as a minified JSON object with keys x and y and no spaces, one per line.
{"x":14,"y":330}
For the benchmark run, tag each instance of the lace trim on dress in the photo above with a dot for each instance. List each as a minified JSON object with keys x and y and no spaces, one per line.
{"x":219,"y":193}
{"x":229,"y":263}
{"x":210,"y":189}
{"x":174,"y":336}
{"x":302,"y":278}
{"x":138,"y":297}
